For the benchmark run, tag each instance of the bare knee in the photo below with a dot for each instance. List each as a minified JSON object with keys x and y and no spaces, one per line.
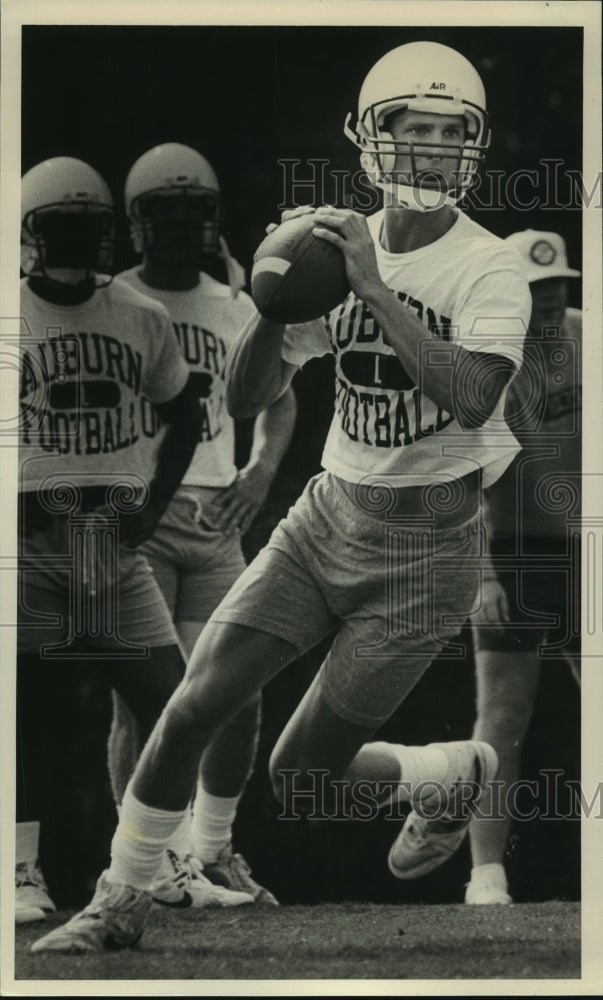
{"x":186,"y":712}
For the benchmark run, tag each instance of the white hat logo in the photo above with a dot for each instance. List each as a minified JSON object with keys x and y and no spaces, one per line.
{"x":543,"y":253}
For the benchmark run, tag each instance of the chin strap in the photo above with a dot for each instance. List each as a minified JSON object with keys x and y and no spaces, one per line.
{"x":236,"y":273}
{"x":407,"y":197}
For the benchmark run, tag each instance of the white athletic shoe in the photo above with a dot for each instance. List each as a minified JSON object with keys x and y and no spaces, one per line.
{"x":233,"y":872}
{"x":32,"y":901}
{"x":115,"y":919}
{"x":490,"y":890}
{"x":186,"y":886}
{"x":424,"y":844}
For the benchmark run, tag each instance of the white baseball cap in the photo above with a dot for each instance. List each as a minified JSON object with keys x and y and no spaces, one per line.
{"x":543,"y":253}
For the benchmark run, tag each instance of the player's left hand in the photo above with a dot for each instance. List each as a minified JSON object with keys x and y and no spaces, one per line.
{"x":353,"y":238}
{"x":236,"y":507}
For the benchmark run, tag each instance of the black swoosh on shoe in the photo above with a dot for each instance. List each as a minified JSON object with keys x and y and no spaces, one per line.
{"x":180,"y":904}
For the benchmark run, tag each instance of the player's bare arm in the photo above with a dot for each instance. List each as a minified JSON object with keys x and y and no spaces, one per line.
{"x":182,"y":414}
{"x":239,"y":504}
{"x":256,"y":375}
{"x":471,"y":386}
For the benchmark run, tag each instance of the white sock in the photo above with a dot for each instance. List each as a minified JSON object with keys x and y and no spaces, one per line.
{"x":180,"y":841}
{"x":211,"y":829}
{"x":26,"y":842}
{"x":417,"y":764}
{"x":139,"y":842}
{"x":490,"y":873}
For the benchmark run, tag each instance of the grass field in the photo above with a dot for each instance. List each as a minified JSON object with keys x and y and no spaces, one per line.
{"x":333,"y":941}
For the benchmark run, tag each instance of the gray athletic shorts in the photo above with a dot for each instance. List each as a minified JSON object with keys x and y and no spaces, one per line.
{"x":393,"y":593}
{"x":78,"y":592}
{"x":194,"y":565}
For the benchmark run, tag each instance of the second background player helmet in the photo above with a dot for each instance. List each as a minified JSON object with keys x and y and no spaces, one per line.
{"x":163,"y":178}
{"x":425,"y":77}
{"x":67,"y":219}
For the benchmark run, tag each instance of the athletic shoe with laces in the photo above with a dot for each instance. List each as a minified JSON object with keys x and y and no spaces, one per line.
{"x":32,"y":901}
{"x":232,"y":871}
{"x":186,"y":886}
{"x":424,"y":844}
{"x":115,"y":919}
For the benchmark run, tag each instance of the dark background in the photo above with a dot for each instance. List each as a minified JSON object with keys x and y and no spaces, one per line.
{"x":245,"y":97}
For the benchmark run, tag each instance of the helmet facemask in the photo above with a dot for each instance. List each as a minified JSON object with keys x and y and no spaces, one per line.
{"x":419,"y":187}
{"x":67,"y":243}
{"x":177,"y":227}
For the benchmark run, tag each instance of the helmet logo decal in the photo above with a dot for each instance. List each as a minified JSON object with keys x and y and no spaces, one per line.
{"x":438,"y":86}
{"x":543,"y":252}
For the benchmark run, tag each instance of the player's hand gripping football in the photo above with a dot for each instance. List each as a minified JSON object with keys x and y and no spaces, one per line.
{"x":349,"y":231}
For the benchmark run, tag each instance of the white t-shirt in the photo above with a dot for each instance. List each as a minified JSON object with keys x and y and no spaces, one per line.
{"x":206,"y":321}
{"x":86,"y":372}
{"x":469,"y":285}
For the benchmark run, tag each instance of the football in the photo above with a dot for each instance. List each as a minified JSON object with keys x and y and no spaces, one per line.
{"x":297,"y":276}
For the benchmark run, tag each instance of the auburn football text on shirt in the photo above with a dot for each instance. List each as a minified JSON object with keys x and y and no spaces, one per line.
{"x":87,"y":375}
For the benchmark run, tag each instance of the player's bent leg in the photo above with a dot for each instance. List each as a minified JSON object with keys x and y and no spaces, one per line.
{"x":318,"y":745}
{"x":316,"y":739}
{"x":347,"y":702}
{"x":506,"y":690}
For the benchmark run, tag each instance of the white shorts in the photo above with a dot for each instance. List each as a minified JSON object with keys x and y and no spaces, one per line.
{"x":393,"y":595}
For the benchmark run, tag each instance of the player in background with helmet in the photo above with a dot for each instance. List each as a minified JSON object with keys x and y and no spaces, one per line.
{"x":91,"y":351}
{"x":526,"y":521}
{"x":424,"y":347}
{"x":173,"y":206}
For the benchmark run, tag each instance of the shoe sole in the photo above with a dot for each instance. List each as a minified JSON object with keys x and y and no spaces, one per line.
{"x":489,"y":902}
{"x":86,"y":947}
{"x":486,"y":765}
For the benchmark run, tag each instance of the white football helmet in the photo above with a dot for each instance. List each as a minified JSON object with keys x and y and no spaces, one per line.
{"x":67,"y":221}
{"x":178,"y":173}
{"x":423,"y":77}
